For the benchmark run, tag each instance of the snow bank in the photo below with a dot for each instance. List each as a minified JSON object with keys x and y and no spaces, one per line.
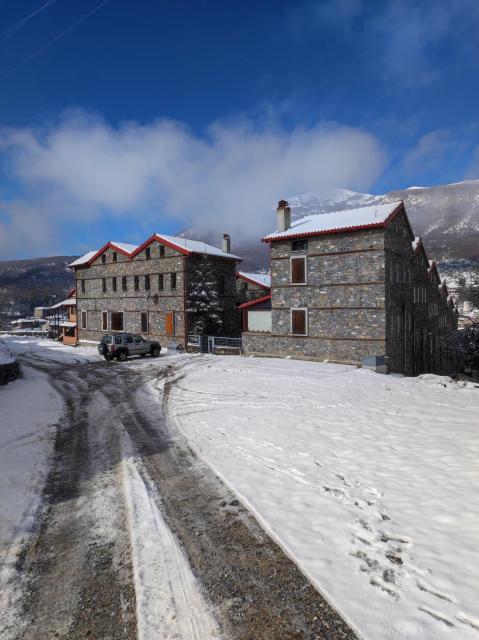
{"x":29,"y":411}
{"x":6,"y":355}
{"x":369,"y":482}
{"x":38,"y":348}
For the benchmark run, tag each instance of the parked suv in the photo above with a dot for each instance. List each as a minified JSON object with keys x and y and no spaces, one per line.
{"x":122,"y":345}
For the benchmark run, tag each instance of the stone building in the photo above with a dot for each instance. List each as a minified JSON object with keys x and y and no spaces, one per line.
{"x":355,"y":286}
{"x":251,"y":286}
{"x":144,"y":289}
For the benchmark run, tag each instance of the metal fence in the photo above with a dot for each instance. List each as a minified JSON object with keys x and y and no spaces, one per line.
{"x":208,"y":344}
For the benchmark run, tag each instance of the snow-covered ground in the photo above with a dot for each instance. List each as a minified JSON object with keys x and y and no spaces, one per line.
{"x":29,"y":410}
{"x":6,"y":355}
{"x":369,"y":482}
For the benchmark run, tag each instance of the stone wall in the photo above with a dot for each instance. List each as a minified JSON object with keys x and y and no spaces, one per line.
{"x":347,"y":351}
{"x":9,"y":372}
{"x":343,"y":294}
{"x":418,"y":316}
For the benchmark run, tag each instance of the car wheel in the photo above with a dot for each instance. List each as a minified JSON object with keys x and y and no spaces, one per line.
{"x":108,"y":356}
{"x":122,"y":356}
{"x":142,"y":355}
{"x":155,"y":352}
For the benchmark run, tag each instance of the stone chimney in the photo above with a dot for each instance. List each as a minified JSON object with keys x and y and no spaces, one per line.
{"x":283,"y":216}
{"x":226,"y":243}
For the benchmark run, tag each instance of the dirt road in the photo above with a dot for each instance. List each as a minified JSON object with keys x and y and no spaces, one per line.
{"x":138,"y":538}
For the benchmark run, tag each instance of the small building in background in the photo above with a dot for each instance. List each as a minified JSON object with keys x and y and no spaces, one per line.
{"x":256,"y":315}
{"x":69,"y":326}
{"x":251,"y":286}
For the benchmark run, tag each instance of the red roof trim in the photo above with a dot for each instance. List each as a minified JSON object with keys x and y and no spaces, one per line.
{"x":106,"y":246}
{"x":359,"y":227}
{"x":259,"y":284}
{"x":245,"y":305}
{"x":161,"y":240}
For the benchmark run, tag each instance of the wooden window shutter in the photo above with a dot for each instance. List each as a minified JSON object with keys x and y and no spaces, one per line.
{"x":298,"y":322}
{"x":298,"y":270}
{"x":170,"y":323}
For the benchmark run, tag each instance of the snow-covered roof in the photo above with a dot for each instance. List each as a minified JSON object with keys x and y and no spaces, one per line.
{"x":185,"y":245}
{"x":124,"y":246}
{"x":64,"y":303}
{"x":376,"y":215}
{"x":84,"y":259}
{"x":188,"y":246}
{"x":67,"y":324}
{"x":34,"y":320}
{"x":261,"y":279}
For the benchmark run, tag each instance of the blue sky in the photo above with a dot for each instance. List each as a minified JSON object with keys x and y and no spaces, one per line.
{"x":160,"y":115}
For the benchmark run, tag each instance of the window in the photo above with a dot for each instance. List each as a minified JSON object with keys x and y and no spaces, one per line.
{"x":299,"y":245}
{"x":299,"y":322}
{"x":129,"y":339}
{"x":170,"y":323}
{"x":298,"y":270}
{"x":83,"y":319}
{"x":161,"y":284}
{"x":137,"y":283}
{"x":124,"y":285}
{"x":173,"y":280}
{"x":115,"y":256}
{"x":113,"y":284}
{"x":162,"y":251}
{"x":103,"y":285}
{"x":117,"y":339}
{"x":117,"y":321}
{"x":83,"y":286}
{"x":103,"y":258}
{"x":147,"y":283}
{"x":104,"y":320}
{"x":147,"y":253}
{"x":144,"y":322}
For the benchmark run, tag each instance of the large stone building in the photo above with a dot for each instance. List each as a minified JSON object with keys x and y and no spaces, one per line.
{"x":145,"y":289}
{"x":355,"y":286}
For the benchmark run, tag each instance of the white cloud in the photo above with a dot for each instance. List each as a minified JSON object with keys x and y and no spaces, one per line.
{"x":428,"y":152}
{"x":82,"y":169}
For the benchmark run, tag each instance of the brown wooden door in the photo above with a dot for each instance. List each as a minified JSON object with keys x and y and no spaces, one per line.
{"x":170,"y":323}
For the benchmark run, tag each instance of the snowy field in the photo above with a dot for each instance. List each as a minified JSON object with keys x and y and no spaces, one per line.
{"x":369,"y":482}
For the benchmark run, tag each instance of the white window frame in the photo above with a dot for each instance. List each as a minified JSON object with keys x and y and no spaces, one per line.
{"x":107,"y":319}
{"x":298,"y":256}
{"x":306,"y":324}
{"x":84,"y":319}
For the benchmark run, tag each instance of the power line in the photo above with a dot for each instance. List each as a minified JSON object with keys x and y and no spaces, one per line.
{"x":53,"y":40}
{"x":18,"y":25}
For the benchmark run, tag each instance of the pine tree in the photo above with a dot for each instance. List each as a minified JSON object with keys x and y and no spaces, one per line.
{"x":203,"y":304}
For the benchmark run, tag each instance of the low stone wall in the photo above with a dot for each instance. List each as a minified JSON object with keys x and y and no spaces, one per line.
{"x":347,"y":351}
{"x":9,"y":372}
